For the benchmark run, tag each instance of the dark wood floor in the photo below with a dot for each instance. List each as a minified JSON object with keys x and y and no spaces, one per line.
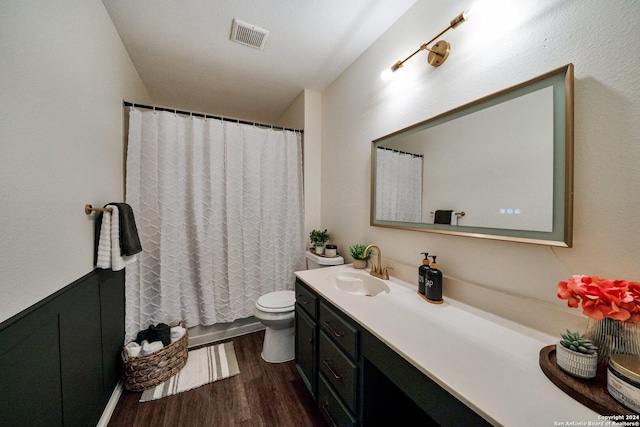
{"x":263,"y":394}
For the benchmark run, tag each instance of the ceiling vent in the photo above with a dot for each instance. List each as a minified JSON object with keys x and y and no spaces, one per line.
{"x":248,"y":35}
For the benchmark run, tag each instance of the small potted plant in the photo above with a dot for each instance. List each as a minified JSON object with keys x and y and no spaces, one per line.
{"x":318,"y":239}
{"x":359,"y":257}
{"x":577,"y":355}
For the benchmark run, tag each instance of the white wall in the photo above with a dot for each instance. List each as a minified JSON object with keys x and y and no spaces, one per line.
{"x":305,"y":112}
{"x":312,"y":160}
{"x":64,"y":73}
{"x":512,"y":42}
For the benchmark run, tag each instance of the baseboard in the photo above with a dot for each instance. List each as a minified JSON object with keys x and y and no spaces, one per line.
{"x":201,"y":335}
{"x":111,"y":406}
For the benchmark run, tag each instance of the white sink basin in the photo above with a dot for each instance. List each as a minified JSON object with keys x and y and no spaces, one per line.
{"x":358,"y":283}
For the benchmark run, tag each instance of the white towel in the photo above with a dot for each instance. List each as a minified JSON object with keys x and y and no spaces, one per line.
{"x":104,"y":244}
{"x":133,"y":349}
{"x":150,"y":347}
{"x":177,"y":332}
{"x":109,"y":255}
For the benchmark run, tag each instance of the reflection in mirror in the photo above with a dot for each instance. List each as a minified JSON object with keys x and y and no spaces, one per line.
{"x":398,"y":185}
{"x":499,"y":167}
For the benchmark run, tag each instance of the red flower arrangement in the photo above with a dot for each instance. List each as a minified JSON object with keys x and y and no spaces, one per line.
{"x":602,"y":298}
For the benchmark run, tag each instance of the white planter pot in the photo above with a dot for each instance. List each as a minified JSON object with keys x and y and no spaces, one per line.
{"x":577,"y":364}
{"x":319,"y":249}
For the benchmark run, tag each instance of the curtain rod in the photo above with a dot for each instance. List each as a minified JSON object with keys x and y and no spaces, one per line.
{"x":398,"y":151}
{"x":208,"y":116}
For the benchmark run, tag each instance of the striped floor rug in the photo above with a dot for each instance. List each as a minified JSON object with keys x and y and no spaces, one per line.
{"x":204,"y":366}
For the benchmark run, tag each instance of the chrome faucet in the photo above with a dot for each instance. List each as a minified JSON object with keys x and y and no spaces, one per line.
{"x":377,"y":271}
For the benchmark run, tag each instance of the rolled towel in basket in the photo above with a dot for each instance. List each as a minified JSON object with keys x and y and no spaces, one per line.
{"x":177,"y":332}
{"x":132,"y":349}
{"x":159,"y":332}
{"x":150,"y":347}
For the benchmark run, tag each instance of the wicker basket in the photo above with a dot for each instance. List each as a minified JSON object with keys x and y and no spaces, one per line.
{"x":144,"y":372}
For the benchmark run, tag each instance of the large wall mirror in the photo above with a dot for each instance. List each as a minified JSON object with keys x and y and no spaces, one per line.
{"x":500,"y":167}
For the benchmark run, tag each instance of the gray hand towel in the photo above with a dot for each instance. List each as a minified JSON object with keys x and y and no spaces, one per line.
{"x":129,"y":239}
{"x":442,"y":217}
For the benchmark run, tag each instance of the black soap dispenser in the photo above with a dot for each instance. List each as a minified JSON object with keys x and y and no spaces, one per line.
{"x":422,"y":273}
{"x":433,"y":284}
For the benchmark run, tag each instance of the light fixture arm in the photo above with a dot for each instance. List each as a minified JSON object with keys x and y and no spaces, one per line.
{"x":441,"y":51}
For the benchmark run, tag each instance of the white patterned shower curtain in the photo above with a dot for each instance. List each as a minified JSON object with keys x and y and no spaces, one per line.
{"x":219,"y":211}
{"x":398,"y":186}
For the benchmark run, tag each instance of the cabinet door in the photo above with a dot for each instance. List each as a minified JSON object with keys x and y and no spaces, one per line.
{"x":306,"y":349}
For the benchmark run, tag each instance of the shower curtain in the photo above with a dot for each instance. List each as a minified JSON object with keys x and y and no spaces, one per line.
{"x":398,"y":186}
{"x":219,"y":210}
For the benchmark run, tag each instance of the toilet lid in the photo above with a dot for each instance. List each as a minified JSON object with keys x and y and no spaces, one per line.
{"x":278,"y":301}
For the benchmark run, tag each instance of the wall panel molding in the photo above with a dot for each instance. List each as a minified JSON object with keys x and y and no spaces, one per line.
{"x":61,"y":355}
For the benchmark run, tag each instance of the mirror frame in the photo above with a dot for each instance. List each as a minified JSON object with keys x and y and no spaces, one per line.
{"x":561,"y":80}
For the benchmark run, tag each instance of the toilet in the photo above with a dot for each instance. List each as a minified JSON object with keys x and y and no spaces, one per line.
{"x":276,"y":311}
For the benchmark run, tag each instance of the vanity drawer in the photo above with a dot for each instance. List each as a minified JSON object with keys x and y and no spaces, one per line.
{"x":338,"y":370}
{"x":306,"y":299}
{"x":341,"y":332}
{"x":332,"y":409}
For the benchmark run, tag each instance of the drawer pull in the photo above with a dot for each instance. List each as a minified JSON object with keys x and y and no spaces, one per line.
{"x":324,"y":409}
{"x":336,"y":376}
{"x":333,"y":331}
{"x":302,"y":301}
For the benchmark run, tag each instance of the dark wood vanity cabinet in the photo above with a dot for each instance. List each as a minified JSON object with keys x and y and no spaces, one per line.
{"x":357,"y":380}
{"x":326,"y":355}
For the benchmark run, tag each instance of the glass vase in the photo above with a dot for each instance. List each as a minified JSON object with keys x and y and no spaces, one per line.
{"x":613,"y":336}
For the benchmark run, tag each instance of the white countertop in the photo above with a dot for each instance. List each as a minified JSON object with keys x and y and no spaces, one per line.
{"x":487,"y":362}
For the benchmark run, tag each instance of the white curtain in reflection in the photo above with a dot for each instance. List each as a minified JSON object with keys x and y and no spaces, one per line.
{"x":220,"y":215}
{"x":398,"y":186}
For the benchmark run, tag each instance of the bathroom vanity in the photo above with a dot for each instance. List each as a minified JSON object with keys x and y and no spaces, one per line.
{"x":372,"y":352}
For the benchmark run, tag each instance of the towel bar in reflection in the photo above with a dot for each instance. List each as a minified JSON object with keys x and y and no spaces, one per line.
{"x":455,"y":213}
{"x":88,"y":209}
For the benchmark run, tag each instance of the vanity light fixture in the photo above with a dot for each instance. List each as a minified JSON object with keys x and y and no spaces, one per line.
{"x":439,"y":52}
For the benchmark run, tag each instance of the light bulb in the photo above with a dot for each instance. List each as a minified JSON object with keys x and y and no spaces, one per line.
{"x":386,"y":74}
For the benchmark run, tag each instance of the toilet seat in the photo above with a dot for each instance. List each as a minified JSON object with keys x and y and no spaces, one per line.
{"x":277,"y":302}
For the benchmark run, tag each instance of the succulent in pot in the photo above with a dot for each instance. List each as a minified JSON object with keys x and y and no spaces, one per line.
{"x":574,"y":341}
{"x":359,"y":257}
{"x":318,"y":239}
{"x":577,"y":355}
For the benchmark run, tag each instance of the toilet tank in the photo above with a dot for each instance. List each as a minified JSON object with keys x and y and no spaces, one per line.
{"x":317,"y":261}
